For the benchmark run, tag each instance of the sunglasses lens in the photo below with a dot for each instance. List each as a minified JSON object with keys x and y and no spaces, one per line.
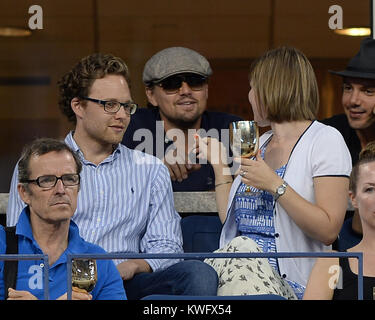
{"x":195,"y":82}
{"x":173,"y":84}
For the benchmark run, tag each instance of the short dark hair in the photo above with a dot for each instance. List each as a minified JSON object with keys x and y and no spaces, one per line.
{"x":40,"y":147}
{"x":366,"y":155}
{"x":78,"y":81}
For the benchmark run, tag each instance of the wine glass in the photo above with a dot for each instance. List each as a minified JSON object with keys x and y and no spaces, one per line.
{"x":84,"y":274}
{"x":244,"y":139}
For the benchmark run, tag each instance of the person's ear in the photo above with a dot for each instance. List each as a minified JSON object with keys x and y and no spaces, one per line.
{"x":353,"y":199}
{"x":24,"y":193}
{"x":151,"y":96}
{"x":206,"y":90}
{"x":77,"y":107}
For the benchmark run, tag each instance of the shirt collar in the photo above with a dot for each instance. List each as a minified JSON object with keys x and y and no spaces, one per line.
{"x":69,"y":140}
{"x":23,"y":225}
{"x":75,"y":244}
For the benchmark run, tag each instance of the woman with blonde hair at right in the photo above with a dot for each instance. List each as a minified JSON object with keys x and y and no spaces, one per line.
{"x":299,"y":182}
{"x":362,"y":193}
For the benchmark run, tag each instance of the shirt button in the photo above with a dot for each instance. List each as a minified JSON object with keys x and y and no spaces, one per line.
{"x":41,"y":265}
{"x":284,"y":275}
{"x":277,"y":235}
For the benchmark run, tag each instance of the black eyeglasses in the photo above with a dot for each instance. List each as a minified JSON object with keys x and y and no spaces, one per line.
{"x":114,"y":106}
{"x":173,"y":83}
{"x":49,"y":181}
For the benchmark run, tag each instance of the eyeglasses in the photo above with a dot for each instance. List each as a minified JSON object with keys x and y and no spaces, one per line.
{"x":173,"y":83}
{"x":50,"y":181}
{"x":114,"y":106}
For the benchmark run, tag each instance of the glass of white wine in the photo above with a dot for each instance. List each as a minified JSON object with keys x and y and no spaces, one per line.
{"x":244,"y":139}
{"x":84,"y":274}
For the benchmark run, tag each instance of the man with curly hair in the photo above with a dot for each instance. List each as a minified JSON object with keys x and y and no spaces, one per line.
{"x":126,"y":199}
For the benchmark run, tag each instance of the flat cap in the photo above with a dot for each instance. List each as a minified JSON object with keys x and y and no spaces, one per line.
{"x":175,"y":60}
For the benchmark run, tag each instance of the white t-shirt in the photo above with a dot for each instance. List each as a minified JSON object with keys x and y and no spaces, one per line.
{"x":320,"y":151}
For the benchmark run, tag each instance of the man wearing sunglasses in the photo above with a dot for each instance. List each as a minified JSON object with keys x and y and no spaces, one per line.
{"x":126,"y":199}
{"x":176,"y":81}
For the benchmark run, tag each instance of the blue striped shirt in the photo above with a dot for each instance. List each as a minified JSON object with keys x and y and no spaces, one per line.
{"x":125,"y":204}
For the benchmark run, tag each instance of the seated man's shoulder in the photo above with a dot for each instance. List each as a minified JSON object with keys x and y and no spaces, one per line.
{"x":220,"y":120}
{"x":337,"y":124}
{"x":223,"y":115}
{"x":139,"y":157}
{"x":337,"y":121}
{"x":325,"y":132}
{"x":144,"y":117}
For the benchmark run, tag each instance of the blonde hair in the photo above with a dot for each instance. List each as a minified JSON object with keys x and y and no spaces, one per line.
{"x":285,"y":85}
{"x":366,"y":155}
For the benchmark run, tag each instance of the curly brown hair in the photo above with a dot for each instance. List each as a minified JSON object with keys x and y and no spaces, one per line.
{"x":78,"y":81}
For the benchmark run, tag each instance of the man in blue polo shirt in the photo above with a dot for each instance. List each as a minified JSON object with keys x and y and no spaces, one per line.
{"x":49,"y":182}
{"x":176,"y":81}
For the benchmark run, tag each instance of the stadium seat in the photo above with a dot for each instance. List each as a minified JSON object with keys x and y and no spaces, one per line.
{"x":347,"y":237}
{"x":201,"y":233}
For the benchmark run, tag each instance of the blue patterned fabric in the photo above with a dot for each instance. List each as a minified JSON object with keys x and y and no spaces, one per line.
{"x":254,"y":212}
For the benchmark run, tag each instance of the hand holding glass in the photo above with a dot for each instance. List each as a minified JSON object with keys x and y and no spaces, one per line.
{"x":244,"y":139}
{"x":84,"y":274}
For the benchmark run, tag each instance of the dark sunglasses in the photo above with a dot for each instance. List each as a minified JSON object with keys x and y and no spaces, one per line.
{"x":173,"y":83}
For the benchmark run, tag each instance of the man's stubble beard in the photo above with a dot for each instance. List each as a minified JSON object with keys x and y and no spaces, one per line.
{"x":183,"y":123}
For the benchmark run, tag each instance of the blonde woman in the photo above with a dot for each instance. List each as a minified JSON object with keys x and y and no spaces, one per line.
{"x":299,"y":177}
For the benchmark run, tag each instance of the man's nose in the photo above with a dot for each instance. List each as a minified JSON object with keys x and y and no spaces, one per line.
{"x":121,"y":113}
{"x":185,"y":88}
{"x":355,"y":98}
{"x":59,"y":187}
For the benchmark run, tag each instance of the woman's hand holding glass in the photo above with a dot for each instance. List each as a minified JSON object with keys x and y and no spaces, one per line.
{"x":256,"y":173}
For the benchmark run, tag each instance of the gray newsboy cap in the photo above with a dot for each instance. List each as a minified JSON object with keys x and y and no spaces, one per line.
{"x":172,"y":61}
